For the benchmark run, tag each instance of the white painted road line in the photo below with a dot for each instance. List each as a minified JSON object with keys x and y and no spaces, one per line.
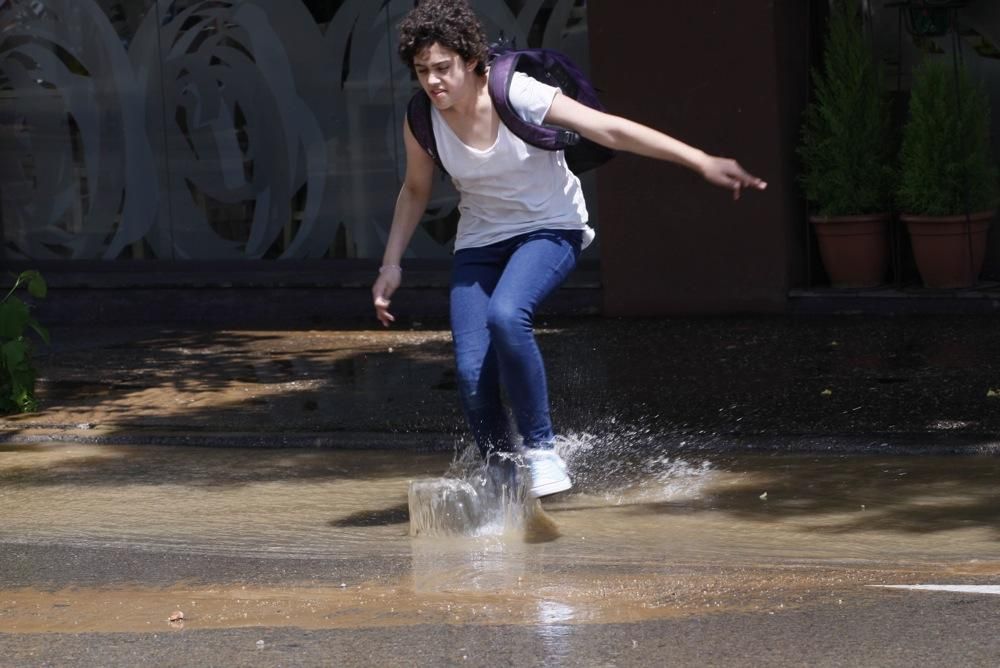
{"x":965,"y":589}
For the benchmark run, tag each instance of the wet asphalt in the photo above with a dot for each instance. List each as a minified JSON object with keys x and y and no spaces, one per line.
{"x":865,"y":386}
{"x":911,"y":383}
{"x":956,"y":631}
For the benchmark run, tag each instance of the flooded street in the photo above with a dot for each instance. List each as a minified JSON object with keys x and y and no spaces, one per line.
{"x":320,"y":539}
{"x":747,"y":490}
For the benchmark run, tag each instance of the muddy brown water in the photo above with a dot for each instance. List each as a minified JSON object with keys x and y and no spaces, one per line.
{"x":643,"y":534}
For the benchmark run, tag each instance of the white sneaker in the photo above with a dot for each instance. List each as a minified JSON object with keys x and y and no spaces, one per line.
{"x":547,"y":470}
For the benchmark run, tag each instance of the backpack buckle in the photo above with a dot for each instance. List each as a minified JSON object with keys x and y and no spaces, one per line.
{"x":568,"y":137}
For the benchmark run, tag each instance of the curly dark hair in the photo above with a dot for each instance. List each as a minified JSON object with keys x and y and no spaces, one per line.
{"x":450,"y":23}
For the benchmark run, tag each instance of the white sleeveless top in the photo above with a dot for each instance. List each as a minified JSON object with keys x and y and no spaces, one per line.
{"x":512,"y":187}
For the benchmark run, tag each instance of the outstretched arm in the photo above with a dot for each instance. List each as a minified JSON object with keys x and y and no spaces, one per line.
{"x":622,"y":134}
{"x":410,"y":207}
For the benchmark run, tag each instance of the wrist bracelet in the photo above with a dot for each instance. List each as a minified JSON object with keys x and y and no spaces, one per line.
{"x":384,"y":267}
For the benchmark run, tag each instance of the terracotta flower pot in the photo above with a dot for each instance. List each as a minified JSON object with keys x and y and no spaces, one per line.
{"x":949,"y":250}
{"x":855,"y":249}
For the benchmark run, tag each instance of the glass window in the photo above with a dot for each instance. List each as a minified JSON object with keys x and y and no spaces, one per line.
{"x":220,"y":129}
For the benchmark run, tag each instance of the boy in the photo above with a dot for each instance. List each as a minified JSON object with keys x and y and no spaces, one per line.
{"x":523,"y":222}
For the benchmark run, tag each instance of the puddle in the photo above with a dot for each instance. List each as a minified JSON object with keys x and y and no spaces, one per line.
{"x":644,"y":533}
{"x":335,"y":503}
{"x":281,"y":503}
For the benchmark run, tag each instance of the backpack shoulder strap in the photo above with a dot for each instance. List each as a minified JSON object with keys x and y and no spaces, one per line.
{"x":502,"y":68}
{"x":555,"y":69}
{"x":418,"y":116}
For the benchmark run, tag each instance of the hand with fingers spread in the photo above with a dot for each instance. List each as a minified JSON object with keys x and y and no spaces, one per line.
{"x":389,"y":278}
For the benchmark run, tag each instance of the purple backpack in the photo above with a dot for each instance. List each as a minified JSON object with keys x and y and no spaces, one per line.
{"x":545,"y":65}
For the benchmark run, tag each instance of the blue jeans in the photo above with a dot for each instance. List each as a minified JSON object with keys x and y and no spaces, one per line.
{"x":495,"y":290}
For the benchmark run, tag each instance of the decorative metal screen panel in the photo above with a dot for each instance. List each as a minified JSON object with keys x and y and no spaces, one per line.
{"x":219,"y":129}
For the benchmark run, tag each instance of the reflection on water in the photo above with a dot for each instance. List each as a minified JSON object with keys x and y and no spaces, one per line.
{"x":478,"y":565}
{"x":553,"y":624}
{"x":639,"y":506}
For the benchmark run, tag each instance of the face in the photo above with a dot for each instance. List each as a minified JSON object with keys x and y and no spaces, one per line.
{"x":443,"y":74}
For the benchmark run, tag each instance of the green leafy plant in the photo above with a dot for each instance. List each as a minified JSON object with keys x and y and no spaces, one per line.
{"x":17,"y":373}
{"x":946,"y":166}
{"x":846,"y":147}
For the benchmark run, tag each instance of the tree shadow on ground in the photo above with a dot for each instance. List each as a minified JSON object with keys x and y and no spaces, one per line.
{"x":717,"y":375}
{"x":253,"y":382}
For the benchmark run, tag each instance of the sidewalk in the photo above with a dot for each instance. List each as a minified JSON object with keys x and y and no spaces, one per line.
{"x":913,"y":383}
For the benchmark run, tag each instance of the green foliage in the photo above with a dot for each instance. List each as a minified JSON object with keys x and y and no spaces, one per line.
{"x":946,"y":163}
{"x":846,"y":147}
{"x":17,"y":374}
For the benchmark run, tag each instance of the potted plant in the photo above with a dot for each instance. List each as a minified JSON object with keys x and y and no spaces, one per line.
{"x":948,"y":182}
{"x":846,"y":154}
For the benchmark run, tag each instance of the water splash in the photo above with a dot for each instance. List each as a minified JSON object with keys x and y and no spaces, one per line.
{"x":477,"y":499}
{"x":627,"y":466}
{"x":631,"y":465}
{"x":443,"y":506}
